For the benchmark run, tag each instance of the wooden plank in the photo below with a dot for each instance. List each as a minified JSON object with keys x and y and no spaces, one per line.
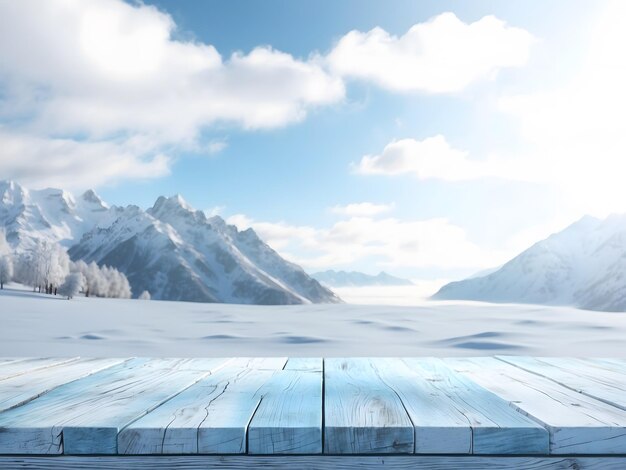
{"x":439,"y":427}
{"x":85,"y":416}
{"x":362,"y":414}
{"x":616,"y":365}
{"x":577,"y":424}
{"x":312,"y":364}
{"x":226,"y":429}
{"x":581,"y":376}
{"x":21,"y":389}
{"x":209,"y":417}
{"x":451,"y":414}
{"x":288,"y":419}
{"x":19,"y":367}
{"x":330,"y":462}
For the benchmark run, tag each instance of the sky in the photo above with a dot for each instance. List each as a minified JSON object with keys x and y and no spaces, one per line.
{"x":427,"y":139}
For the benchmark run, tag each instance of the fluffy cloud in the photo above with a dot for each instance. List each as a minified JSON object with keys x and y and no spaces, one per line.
{"x":432,"y":158}
{"x":103,"y":69}
{"x":106,"y":66}
{"x":364,"y":209}
{"x":443,"y":55}
{"x":68,"y":163}
{"x":392,"y":242}
{"x":100,"y":75}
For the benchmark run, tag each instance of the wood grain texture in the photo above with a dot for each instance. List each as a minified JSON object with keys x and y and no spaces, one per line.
{"x":209,"y":417}
{"x":615,"y":365}
{"x":288,"y":419}
{"x":485,"y":406}
{"x":15,"y":368}
{"x":313,"y":364}
{"x":581,"y":376}
{"x":85,"y":416}
{"x":362,"y":414}
{"x":439,"y":427}
{"x":23,"y":388}
{"x":330,"y":462}
{"x":577,"y":424}
{"x":453,"y":414}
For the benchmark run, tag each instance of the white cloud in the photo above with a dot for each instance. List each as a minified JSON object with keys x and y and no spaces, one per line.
{"x":365,"y":209}
{"x":106,"y":66}
{"x":431,"y":243}
{"x":443,"y":55}
{"x":106,"y":73}
{"x":209,"y":148}
{"x":103,"y":69}
{"x":431,"y":158}
{"x":42,"y":161}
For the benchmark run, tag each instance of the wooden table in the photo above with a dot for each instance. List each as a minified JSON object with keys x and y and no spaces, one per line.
{"x":505,"y":412}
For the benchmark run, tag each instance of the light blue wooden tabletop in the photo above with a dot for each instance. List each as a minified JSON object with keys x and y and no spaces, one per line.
{"x":487,"y":406}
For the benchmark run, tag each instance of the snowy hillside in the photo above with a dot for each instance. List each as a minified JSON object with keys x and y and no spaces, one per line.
{"x":171,"y":250}
{"x":356,"y":279}
{"x":583,"y":266}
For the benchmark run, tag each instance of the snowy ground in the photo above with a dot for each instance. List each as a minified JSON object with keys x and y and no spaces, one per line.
{"x":38,"y":325}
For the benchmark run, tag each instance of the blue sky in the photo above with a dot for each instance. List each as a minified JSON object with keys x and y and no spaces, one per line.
{"x":337,"y":164}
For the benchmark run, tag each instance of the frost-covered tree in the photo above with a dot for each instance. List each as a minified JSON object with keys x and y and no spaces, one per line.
{"x":103,"y":281}
{"x":117,"y":283}
{"x":145,"y":295}
{"x":6,"y":269}
{"x":44,"y":266}
{"x":71,"y":285}
{"x":27,"y":269}
{"x":55,"y":265}
{"x":93,"y":279}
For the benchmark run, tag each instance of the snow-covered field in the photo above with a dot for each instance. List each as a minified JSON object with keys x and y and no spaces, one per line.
{"x":39,"y":325}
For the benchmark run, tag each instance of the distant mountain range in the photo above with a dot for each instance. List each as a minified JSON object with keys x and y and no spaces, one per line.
{"x":583,"y":266}
{"x":170,"y":250}
{"x":356,"y":279}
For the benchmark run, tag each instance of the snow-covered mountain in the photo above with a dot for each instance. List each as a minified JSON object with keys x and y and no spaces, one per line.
{"x":584,"y":266}
{"x":170,"y":250}
{"x":357,"y":279}
{"x":49,"y":214}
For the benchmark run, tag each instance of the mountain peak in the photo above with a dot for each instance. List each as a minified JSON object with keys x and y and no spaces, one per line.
{"x":175,"y":202}
{"x":57,"y":196}
{"x":180,"y":201}
{"x":11,"y":191}
{"x":93,"y":198}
